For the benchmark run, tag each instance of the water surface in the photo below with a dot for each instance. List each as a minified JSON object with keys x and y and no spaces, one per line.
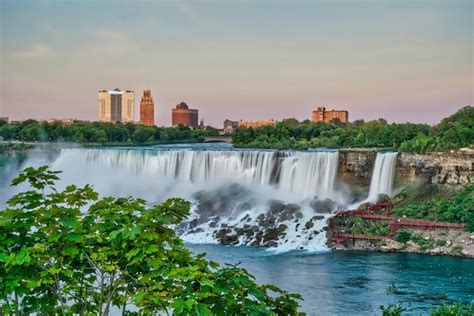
{"x":356,"y":283}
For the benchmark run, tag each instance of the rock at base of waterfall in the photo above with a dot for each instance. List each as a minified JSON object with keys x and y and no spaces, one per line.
{"x":323,"y":206}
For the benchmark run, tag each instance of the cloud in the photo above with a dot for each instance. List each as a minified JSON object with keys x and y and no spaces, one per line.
{"x":37,"y":51}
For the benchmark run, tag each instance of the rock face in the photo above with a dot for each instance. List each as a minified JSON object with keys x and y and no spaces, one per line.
{"x":449,"y":242}
{"x":451,"y":168}
{"x":355,"y":165}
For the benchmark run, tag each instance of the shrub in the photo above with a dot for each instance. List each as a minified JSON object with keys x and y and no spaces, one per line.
{"x":403,"y":236}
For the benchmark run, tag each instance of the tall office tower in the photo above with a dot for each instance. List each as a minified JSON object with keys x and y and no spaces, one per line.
{"x":116,"y":106}
{"x":147,"y":109}
{"x":321,"y":115}
{"x":182,"y":114}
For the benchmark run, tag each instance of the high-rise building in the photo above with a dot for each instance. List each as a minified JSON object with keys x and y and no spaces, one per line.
{"x":116,"y":106}
{"x":147,"y":109}
{"x":182,"y":114}
{"x":321,"y":115}
{"x":254,"y":124}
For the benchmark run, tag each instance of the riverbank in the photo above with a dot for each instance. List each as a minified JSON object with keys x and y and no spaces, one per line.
{"x":435,"y":242}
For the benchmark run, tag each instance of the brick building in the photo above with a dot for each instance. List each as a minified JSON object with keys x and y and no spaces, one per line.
{"x":147,"y":109}
{"x":182,"y":114}
{"x":321,"y":115}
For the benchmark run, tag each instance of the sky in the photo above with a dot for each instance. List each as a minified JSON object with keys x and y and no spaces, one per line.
{"x":403,"y":60}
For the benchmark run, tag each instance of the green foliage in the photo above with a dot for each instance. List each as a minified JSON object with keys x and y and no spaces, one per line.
{"x":423,"y":243}
{"x":359,"y":226}
{"x":453,"y":310}
{"x":453,"y":132}
{"x":101,"y":133}
{"x":457,"y":249}
{"x":392,"y":310}
{"x":458,"y":208}
{"x":69,"y":252}
{"x":403,"y":236}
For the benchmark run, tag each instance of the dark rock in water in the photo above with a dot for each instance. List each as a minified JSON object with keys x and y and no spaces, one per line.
{"x":224,"y":237}
{"x":296,"y":227}
{"x":260,"y":219}
{"x":310,"y":238}
{"x":229,"y":240}
{"x":282,"y":228}
{"x":269,"y":221}
{"x":317,"y":217}
{"x":325,"y":228}
{"x":224,"y":225}
{"x":239,"y":231}
{"x":197,"y":230}
{"x":276,"y":207}
{"x":284,"y":212}
{"x":223,"y":201}
{"x":255,"y":243}
{"x":213,"y":224}
{"x":249,"y":232}
{"x":245,"y":217}
{"x":271,"y":244}
{"x":309,"y":225}
{"x":324,"y":206}
{"x":193,"y":223}
{"x":316,"y":232}
{"x":272,"y":234}
{"x":246,"y":226}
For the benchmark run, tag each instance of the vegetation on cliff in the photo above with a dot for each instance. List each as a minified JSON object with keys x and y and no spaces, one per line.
{"x":457,"y":207}
{"x":454,"y":132}
{"x":69,"y":252}
{"x":101,"y":133}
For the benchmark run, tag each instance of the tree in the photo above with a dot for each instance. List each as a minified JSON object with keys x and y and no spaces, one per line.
{"x":69,"y":252}
{"x":143,"y":134}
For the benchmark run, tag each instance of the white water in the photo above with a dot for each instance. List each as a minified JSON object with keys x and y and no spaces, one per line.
{"x":233,"y":183}
{"x":383,"y":175}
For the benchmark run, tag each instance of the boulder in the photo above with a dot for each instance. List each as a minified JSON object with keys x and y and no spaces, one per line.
{"x":391,"y":245}
{"x":309,"y":225}
{"x":323,"y":206}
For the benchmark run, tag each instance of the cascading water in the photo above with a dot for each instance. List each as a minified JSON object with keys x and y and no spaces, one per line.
{"x":383,"y":175}
{"x":245,"y":190}
{"x":274,"y":199}
{"x":310,"y":174}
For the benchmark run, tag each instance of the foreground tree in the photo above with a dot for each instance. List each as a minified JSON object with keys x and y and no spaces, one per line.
{"x":67,"y":252}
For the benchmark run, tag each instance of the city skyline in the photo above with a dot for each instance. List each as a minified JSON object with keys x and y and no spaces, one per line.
{"x":241,"y":60}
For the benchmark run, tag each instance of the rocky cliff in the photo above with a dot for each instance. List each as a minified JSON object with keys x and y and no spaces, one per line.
{"x":451,"y":168}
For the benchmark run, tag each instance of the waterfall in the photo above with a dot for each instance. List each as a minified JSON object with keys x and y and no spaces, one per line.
{"x":310,"y":174}
{"x":301,"y":173}
{"x":383,"y":175}
{"x":275,"y":199}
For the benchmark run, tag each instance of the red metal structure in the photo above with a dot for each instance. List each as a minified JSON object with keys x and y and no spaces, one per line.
{"x":394,"y":223}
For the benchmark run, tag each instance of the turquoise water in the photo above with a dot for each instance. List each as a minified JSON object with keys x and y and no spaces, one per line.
{"x":356,"y":283}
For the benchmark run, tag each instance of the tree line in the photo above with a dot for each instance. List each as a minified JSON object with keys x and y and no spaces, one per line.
{"x":101,"y":132}
{"x":453,"y":132}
